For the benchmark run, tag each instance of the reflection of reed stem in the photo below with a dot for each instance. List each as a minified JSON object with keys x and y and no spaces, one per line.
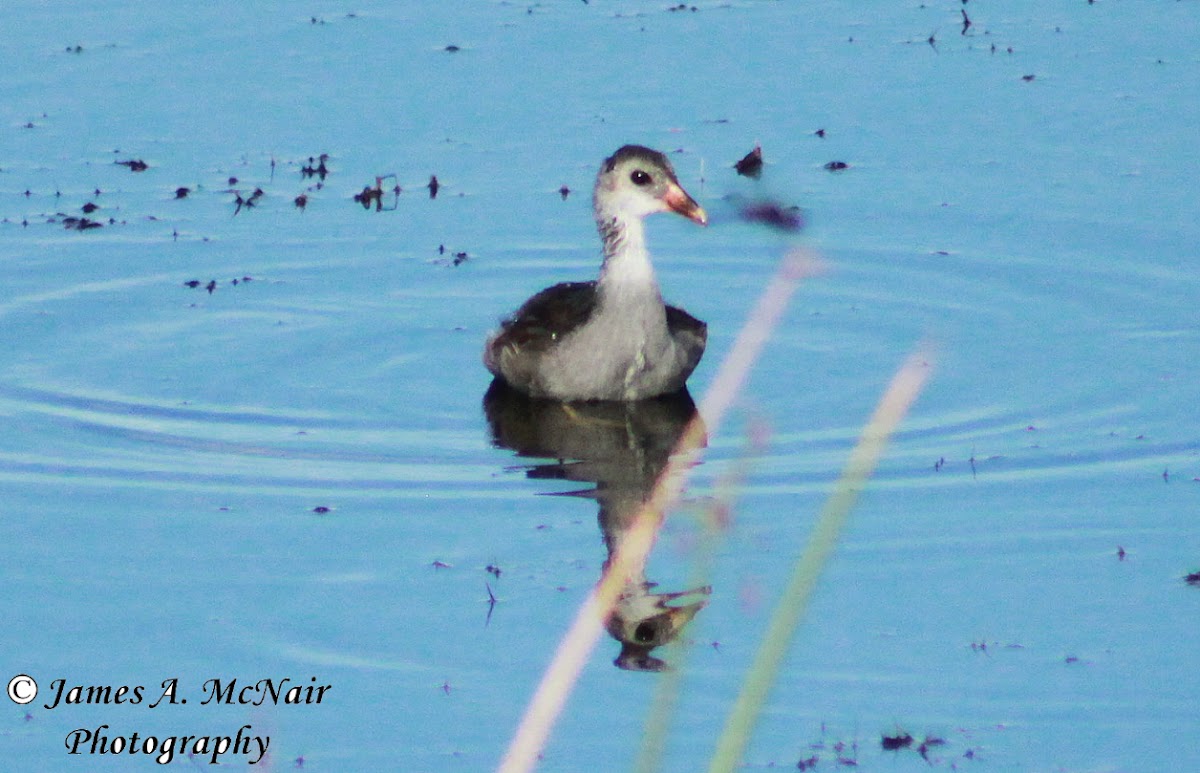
{"x":630,"y":555}
{"x":901,"y":393}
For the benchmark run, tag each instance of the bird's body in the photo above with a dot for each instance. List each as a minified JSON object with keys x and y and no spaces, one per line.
{"x":613,"y":338}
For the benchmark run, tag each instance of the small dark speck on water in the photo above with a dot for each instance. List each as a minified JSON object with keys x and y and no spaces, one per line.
{"x":837,"y":166}
{"x":182,"y":192}
{"x":321,"y":510}
{"x":89,"y":208}
{"x":452,"y":49}
{"x":820,"y":133}
{"x":1193,"y":579}
{"x":1120,"y":553}
{"x":564,"y":192}
{"x":1028,"y":78}
{"x":433,"y":186}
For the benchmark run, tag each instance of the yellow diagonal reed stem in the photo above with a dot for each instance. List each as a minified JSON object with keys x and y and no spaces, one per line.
{"x":901,"y":393}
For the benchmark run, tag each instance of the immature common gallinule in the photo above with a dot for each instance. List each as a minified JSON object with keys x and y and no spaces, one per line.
{"x":611,"y":339}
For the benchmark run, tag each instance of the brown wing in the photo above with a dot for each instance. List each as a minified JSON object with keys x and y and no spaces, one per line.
{"x":689,"y":333}
{"x":514,"y":349}
{"x":679,"y":322}
{"x":548,"y":316}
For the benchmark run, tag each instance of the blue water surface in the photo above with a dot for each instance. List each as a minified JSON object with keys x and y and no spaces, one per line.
{"x":291,"y":475}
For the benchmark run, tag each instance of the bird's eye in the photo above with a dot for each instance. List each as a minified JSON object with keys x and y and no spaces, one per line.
{"x":644,"y":633}
{"x":640,"y":178}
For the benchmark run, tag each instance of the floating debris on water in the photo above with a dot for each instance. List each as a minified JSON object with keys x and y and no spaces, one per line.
{"x":80,"y":223}
{"x":751,"y":164}
{"x":317,"y":169}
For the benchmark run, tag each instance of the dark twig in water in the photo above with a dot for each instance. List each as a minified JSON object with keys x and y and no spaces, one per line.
{"x":248,"y":203}
{"x":491,"y":604}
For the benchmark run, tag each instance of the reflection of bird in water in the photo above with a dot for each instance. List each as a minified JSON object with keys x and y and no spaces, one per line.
{"x":622,"y":448}
{"x":612,"y":339}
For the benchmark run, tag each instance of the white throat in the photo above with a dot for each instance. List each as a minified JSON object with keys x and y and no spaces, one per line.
{"x":626,"y":261}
